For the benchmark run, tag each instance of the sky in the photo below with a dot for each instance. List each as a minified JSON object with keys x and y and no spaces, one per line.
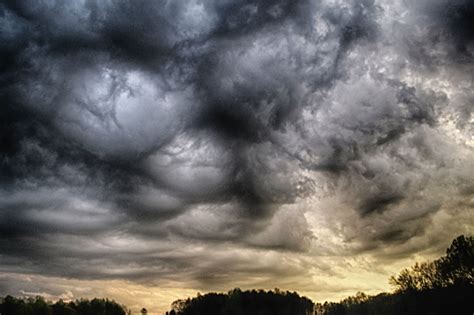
{"x":151,"y":150}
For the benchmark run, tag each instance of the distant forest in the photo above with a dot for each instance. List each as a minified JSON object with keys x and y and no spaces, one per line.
{"x":38,"y":306}
{"x":443,"y":286}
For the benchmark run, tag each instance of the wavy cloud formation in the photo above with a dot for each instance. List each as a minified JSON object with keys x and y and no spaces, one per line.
{"x":260,"y":143}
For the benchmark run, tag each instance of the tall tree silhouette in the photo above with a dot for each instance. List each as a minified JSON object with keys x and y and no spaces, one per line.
{"x":457,"y":266}
{"x":443,"y":286}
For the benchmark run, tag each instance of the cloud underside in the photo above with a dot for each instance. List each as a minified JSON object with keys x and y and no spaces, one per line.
{"x":203,"y":143}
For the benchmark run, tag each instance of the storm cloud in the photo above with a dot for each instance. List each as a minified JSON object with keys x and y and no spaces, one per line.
{"x":201,"y":143}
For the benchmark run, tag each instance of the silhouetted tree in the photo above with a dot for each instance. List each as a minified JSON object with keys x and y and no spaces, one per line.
{"x":61,"y":308}
{"x":458,"y":264}
{"x":444,"y":286}
{"x":419,"y":277}
{"x":456,"y":267}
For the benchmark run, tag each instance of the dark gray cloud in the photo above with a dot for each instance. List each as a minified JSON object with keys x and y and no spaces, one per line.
{"x":152,"y":141}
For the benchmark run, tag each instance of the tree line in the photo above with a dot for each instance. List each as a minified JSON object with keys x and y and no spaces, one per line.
{"x":443,"y":286}
{"x":10,"y":305}
{"x":238,"y":302}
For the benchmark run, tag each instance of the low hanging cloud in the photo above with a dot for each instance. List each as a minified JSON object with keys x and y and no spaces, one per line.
{"x":201,"y":143}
